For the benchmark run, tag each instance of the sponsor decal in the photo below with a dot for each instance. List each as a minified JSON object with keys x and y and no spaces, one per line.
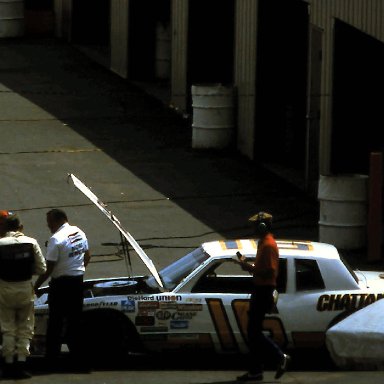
{"x":346,"y":302}
{"x":141,"y":298}
{"x":193,"y":300}
{"x":128,"y":305}
{"x":168,"y":297}
{"x":189,"y":307}
{"x":147,"y":305}
{"x":155,"y":298}
{"x":98,"y":304}
{"x":145,"y":313}
{"x":170,"y":305}
{"x":144,"y":320}
{"x":179,"y":324}
{"x":167,"y":315}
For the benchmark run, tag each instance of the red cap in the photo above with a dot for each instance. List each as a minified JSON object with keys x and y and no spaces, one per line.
{"x":4,"y":214}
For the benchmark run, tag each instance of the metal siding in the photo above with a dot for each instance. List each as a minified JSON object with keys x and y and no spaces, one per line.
{"x":179,"y":54}
{"x":366,"y":15}
{"x":119,"y":36}
{"x":66,"y":19}
{"x":245,"y":73}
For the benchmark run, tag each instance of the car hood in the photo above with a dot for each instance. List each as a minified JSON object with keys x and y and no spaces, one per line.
{"x":358,"y":340}
{"x":103,"y":208}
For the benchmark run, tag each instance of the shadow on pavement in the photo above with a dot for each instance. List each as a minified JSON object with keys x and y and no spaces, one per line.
{"x":219,"y":188}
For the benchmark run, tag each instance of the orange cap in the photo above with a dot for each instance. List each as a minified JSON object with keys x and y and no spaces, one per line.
{"x":4,"y":213}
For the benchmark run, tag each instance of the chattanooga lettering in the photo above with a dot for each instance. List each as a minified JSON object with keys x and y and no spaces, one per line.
{"x":347,"y":302}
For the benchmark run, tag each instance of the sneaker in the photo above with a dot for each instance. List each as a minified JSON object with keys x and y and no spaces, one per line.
{"x":283,"y":366}
{"x":250,"y":377}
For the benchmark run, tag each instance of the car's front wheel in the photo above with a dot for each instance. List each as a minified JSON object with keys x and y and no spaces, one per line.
{"x":107,"y":337}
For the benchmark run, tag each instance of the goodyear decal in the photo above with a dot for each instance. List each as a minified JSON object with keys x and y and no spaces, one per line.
{"x":347,"y":302}
{"x":101,"y":304}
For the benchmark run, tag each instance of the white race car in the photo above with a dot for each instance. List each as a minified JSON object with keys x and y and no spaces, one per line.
{"x":201,"y":300}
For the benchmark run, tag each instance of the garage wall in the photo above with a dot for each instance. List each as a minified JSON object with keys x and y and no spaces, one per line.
{"x":63,"y":19}
{"x":119,"y":37}
{"x":245,"y":73}
{"x":366,"y":15}
{"x":179,"y":10}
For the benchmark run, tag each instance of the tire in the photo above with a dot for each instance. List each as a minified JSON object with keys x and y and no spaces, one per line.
{"x":108,"y":337}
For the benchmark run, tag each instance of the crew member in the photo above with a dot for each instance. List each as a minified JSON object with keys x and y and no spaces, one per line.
{"x":3,"y":215}
{"x":67,"y":257}
{"x":264,"y":272}
{"x":20,"y":259}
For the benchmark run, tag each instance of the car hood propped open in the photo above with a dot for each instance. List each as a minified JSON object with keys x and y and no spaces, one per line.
{"x":99,"y":204}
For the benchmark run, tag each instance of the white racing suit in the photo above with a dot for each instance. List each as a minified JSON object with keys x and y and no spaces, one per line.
{"x":20,"y":259}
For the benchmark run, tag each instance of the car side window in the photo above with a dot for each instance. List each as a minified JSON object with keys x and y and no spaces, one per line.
{"x":229,"y":277}
{"x":308,"y":275}
{"x":224,"y":277}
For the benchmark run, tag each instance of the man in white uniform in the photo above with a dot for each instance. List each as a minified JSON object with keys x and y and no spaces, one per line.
{"x":67,"y":257}
{"x":3,"y":216}
{"x":20,"y":259}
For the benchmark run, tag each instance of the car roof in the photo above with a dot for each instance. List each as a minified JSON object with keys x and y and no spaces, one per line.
{"x":225,"y":248}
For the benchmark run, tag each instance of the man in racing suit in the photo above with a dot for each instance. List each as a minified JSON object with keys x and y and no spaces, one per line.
{"x":264,"y":271}
{"x":20,"y":259}
{"x":3,"y":216}
{"x":67,"y":257}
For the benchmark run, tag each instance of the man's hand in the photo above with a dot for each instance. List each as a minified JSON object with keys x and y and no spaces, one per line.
{"x":240,"y":256}
{"x":37,"y":291}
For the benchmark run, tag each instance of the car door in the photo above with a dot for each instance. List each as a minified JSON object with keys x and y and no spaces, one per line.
{"x":304,"y":323}
{"x":226,"y":291}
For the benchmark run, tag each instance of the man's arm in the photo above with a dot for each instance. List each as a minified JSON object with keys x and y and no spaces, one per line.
{"x":40,"y":280}
{"x":87,"y":257}
{"x":264,"y":273}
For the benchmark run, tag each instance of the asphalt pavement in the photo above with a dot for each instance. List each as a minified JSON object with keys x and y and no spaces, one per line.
{"x":62,"y":113}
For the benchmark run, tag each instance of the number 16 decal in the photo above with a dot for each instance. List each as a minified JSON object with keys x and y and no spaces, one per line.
{"x":273,"y":325}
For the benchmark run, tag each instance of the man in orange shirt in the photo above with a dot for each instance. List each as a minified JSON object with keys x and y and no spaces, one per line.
{"x":264,"y":271}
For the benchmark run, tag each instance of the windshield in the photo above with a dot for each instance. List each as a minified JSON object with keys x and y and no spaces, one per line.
{"x":174,"y":273}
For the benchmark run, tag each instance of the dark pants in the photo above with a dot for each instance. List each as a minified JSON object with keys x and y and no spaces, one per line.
{"x":65,"y":301}
{"x":261,"y":346}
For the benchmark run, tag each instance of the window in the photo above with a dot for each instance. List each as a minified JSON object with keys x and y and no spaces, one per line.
{"x":224,"y":277}
{"x":308,"y":276}
{"x":228,"y":277}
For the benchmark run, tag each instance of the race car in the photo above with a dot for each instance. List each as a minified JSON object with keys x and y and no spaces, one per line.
{"x":200,"y":301}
